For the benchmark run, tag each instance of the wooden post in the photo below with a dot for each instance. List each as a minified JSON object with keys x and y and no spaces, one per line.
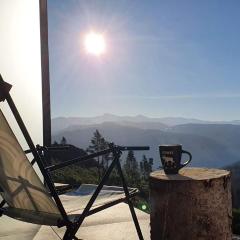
{"x":46,"y":105}
{"x":192,"y":205}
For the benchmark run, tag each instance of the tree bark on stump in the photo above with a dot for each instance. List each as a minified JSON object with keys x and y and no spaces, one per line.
{"x":192,"y":205}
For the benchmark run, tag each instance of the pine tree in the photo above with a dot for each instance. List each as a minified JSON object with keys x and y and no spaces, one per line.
{"x":63,"y":141}
{"x":98,"y":143}
{"x":131,"y":169}
{"x":146,"y":167}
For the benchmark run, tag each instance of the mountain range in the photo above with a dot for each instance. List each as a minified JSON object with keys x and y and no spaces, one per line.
{"x":212,"y":144}
{"x":141,"y":121}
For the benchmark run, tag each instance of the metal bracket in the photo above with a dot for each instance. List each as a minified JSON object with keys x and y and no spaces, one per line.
{"x":4,"y":89}
{"x":1,"y":212}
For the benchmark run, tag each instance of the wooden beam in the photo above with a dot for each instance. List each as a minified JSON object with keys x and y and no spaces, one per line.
{"x":46,"y":106}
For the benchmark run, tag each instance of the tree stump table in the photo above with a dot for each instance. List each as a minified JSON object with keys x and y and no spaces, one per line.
{"x":195,"y":204}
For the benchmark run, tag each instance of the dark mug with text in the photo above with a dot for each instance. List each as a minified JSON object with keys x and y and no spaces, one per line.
{"x":171,"y":156}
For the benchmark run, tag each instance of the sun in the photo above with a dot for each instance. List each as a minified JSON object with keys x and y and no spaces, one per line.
{"x":95,"y":43}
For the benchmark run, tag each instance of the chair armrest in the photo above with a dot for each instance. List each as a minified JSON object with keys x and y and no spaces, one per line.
{"x":79,"y":159}
{"x":112,"y":148}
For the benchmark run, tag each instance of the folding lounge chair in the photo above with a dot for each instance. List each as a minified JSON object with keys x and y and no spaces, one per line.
{"x":27,"y":199}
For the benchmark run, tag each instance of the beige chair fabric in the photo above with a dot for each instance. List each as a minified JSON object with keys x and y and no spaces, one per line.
{"x":22,"y":188}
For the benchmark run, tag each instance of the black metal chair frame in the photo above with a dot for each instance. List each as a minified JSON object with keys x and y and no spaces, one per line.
{"x":73,"y":227}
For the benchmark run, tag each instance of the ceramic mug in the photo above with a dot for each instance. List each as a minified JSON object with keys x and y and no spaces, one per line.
{"x":171,"y":156}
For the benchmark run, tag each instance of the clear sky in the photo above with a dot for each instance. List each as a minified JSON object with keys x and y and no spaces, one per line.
{"x":163,"y":58}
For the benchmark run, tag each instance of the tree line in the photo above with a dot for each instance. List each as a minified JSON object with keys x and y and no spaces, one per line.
{"x":136,"y":171}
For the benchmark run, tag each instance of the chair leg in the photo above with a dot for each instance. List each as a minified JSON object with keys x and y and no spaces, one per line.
{"x":134,"y":216}
{"x":71,"y":232}
{"x":69,"y":235}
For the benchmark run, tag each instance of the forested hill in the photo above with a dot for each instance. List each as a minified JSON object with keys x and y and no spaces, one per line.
{"x":212,"y":145}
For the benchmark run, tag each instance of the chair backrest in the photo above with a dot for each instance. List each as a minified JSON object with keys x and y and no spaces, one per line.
{"x":20,"y":186}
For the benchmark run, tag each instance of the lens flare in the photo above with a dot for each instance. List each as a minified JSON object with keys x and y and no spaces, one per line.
{"x":144,"y":207}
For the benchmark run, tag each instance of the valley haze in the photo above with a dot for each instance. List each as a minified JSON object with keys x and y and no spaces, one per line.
{"x":212,"y":143}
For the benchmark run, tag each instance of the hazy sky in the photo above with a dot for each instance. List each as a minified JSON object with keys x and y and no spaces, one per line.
{"x":20,"y":64}
{"x":163,"y":58}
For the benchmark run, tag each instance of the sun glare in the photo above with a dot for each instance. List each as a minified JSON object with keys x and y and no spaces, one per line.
{"x":95,"y":43}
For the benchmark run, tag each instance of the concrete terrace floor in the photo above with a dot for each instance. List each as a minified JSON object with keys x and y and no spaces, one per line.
{"x":113,"y":223}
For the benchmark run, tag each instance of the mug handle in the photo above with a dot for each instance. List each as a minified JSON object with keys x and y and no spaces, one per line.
{"x":190,"y":158}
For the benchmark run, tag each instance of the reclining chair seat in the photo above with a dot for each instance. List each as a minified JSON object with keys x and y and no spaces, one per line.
{"x":27,"y":197}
